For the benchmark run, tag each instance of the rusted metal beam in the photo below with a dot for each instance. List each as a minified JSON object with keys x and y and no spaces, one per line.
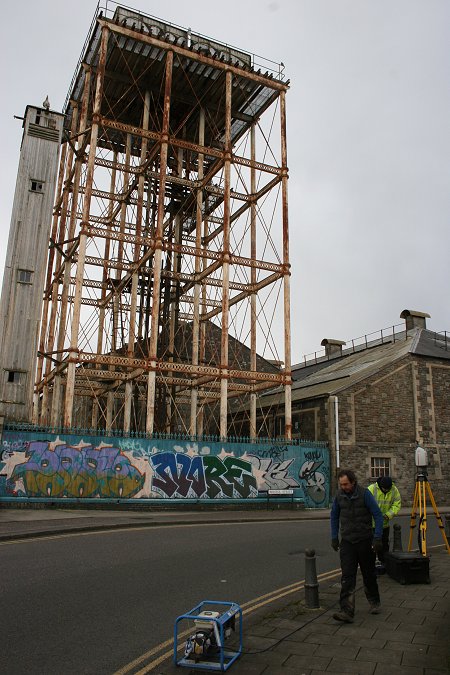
{"x":287,"y":273}
{"x":68,"y":407}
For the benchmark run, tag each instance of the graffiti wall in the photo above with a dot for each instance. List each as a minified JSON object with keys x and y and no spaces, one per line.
{"x":40,"y":465}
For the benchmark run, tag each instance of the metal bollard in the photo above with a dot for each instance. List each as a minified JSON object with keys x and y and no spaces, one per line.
{"x":311,"y":583}
{"x":397,"y":546}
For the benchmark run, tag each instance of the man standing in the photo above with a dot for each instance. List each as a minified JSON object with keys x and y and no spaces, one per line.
{"x":352,"y":512}
{"x":388,"y":499}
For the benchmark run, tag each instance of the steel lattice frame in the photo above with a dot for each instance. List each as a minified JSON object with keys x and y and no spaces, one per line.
{"x":169,"y":247}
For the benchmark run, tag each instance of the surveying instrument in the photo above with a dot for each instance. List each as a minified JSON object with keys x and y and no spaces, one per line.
{"x":421,"y":491}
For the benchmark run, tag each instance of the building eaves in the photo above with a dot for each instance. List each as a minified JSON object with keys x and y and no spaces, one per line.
{"x":328,"y":376}
{"x":351,"y":370}
{"x":301,"y":370}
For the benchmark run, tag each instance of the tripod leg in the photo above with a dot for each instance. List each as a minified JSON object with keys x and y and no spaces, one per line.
{"x":423,"y":519}
{"x":412,"y":524}
{"x":438,"y":518}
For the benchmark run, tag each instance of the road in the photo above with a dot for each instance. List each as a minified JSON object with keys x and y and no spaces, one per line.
{"x":89,"y":604}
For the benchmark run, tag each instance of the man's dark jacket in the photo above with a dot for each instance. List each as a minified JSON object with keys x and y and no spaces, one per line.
{"x":354,"y":512}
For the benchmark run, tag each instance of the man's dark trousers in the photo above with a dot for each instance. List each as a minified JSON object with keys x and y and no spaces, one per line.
{"x":352,"y":555}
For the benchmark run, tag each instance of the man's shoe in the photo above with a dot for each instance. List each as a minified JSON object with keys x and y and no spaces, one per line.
{"x":375,"y":609}
{"x":343,"y":616}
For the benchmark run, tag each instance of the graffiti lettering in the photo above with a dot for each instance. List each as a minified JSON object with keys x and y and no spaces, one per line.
{"x":13,"y":445}
{"x":44,"y":465}
{"x":228,"y":478}
{"x":178,"y":475}
{"x":275,"y":451}
{"x":218,"y":485}
{"x":314,"y":485}
{"x":239,"y":473}
{"x":274,"y":475}
{"x":76,"y":472}
{"x":313,"y":454}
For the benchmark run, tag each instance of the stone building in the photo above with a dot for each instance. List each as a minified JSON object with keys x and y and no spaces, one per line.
{"x":373,"y":402}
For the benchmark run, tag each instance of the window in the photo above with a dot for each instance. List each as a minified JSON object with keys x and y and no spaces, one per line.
{"x":13,"y":376}
{"x":380,"y":466}
{"x":304,"y":424}
{"x":36,"y":186}
{"x":24,"y":276}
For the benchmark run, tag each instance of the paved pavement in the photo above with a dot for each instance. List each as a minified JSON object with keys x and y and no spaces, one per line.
{"x":411,"y":636}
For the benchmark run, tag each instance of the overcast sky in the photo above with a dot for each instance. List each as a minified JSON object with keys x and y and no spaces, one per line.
{"x":368,"y":140}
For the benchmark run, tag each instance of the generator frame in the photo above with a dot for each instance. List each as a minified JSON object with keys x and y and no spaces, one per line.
{"x":226,"y":657}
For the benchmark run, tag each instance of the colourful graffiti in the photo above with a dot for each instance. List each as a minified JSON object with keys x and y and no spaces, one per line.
{"x":178,"y":475}
{"x":43,"y":465}
{"x":66,"y":471}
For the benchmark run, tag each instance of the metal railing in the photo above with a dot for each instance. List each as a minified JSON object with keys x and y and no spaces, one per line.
{"x":440,"y":337}
{"x":107,"y":8}
{"x":394,"y":333}
{"x":118,"y":433}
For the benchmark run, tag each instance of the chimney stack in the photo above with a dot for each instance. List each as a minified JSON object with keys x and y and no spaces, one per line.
{"x":414,"y":319}
{"x":332,"y":347}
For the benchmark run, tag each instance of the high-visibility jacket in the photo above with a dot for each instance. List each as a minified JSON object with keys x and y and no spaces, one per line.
{"x":389,"y":502}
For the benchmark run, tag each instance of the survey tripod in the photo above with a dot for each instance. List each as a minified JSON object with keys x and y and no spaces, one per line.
{"x":421,"y":491}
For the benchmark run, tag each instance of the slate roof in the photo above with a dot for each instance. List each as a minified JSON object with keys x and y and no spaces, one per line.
{"x":349,"y":369}
{"x":432,"y":344}
{"x":331,"y":376}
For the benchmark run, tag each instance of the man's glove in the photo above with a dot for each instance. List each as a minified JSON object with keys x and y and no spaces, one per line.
{"x":377,"y":545}
{"x":335,"y":544}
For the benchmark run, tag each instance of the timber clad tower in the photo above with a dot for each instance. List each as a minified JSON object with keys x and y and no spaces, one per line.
{"x":168,"y":267}
{"x":26,"y":257}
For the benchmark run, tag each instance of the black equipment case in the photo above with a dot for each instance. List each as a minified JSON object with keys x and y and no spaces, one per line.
{"x":407,"y":567}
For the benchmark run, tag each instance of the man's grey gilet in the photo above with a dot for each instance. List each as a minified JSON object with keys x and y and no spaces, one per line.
{"x":355,"y":517}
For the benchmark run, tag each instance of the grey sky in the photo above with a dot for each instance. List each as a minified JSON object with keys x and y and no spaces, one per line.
{"x":368,"y":140}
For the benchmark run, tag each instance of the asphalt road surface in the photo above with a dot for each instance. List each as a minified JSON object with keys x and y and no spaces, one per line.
{"x":89,"y":604}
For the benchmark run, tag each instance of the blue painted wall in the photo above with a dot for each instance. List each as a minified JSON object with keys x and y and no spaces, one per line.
{"x":41,"y":465}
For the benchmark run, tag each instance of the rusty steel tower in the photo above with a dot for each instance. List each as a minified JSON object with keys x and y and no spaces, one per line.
{"x":167,"y":300}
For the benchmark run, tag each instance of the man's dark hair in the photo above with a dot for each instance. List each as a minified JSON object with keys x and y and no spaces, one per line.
{"x":349,"y":473}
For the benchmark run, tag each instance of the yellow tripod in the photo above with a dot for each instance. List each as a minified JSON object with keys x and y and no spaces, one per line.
{"x":420,"y":501}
